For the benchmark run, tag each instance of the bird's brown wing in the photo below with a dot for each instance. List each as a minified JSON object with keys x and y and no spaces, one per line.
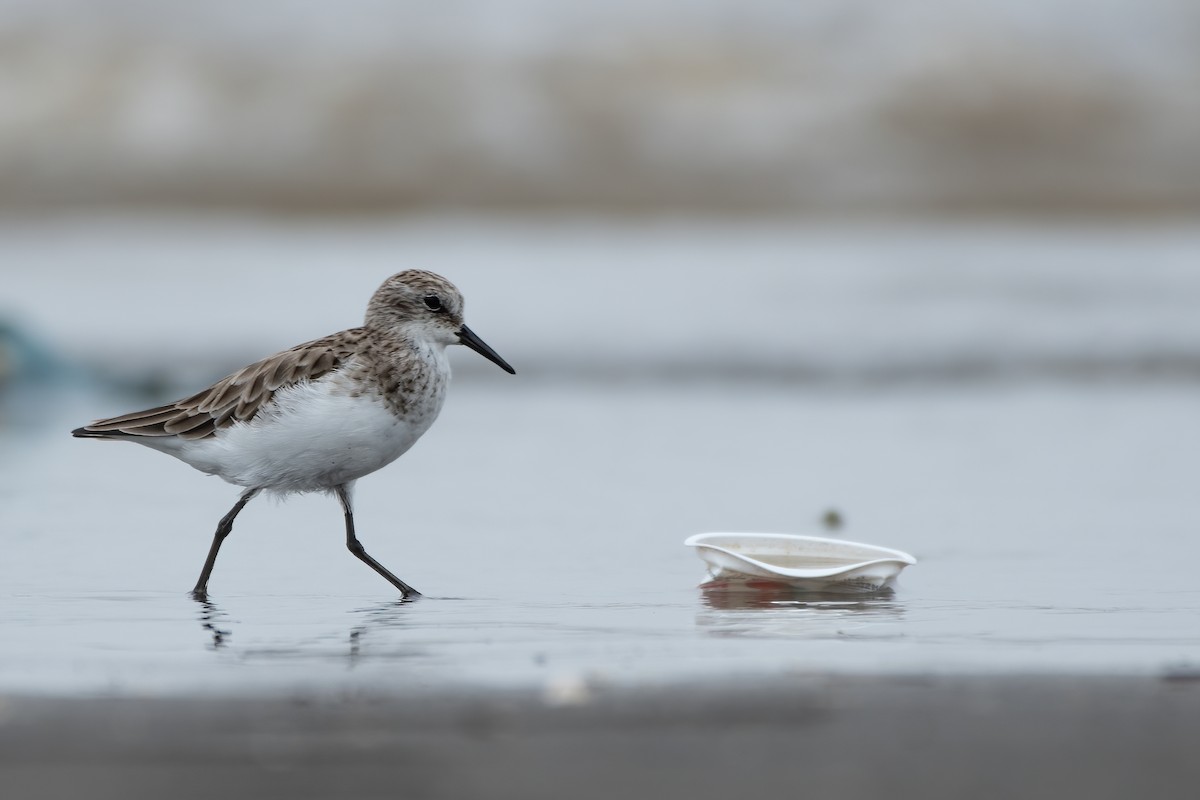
{"x":237,"y":398}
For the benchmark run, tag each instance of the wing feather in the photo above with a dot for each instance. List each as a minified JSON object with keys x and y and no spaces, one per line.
{"x":236,"y":398}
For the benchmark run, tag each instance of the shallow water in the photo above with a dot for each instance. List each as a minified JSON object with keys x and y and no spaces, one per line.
{"x":1049,"y":495}
{"x":1053,"y":527}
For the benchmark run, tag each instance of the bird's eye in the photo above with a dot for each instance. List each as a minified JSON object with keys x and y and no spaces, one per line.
{"x":434,"y":303}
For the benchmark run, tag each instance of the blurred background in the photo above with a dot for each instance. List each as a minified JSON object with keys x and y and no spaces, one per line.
{"x":813,"y":189}
{"x":763,"y":107}
{"x":824,"y":177}
{"x":933,"y":265}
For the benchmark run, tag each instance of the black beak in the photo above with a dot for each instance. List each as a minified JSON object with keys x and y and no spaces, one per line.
{"x":467,"y":336}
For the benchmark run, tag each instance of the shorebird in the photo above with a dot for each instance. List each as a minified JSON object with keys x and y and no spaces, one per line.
{"x":321,"y":415}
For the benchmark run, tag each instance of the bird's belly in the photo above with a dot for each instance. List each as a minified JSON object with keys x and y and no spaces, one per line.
{"x":312,"y":440}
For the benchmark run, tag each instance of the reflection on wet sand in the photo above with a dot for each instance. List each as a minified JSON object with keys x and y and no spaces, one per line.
{"x":767,"y":609}
{"x":733,"y":595}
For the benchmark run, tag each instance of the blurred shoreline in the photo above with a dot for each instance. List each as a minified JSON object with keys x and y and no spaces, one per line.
{"x":832,"y":107}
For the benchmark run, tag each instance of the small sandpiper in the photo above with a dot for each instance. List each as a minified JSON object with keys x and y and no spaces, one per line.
{"x":319,"y":416}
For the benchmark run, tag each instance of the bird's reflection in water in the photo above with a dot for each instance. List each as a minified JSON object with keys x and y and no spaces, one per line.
{"x":388,"y":614}
{"x":211,"y":619}
{"x":382,"y":616}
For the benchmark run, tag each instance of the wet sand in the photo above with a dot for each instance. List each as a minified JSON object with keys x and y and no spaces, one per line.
{"x":802,"y":736}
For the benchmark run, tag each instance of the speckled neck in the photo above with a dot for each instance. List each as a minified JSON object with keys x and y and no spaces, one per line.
{"x":409,"y":375}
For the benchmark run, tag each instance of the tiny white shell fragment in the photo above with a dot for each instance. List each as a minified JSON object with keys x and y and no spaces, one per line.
{"x":812,"y":563}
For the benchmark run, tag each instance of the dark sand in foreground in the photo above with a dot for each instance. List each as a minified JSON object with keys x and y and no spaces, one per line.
{"x":806,"y":736}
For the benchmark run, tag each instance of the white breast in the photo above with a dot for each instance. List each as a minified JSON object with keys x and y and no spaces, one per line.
{"x":310,"y":437}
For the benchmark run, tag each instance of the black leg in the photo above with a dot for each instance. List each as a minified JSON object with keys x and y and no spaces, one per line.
{"x":223,"y":529}
{"x":355,"y":547}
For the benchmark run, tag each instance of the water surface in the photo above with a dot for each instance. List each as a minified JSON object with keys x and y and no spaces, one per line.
{"x":1015,"y":408}
{"x":544,"y":524}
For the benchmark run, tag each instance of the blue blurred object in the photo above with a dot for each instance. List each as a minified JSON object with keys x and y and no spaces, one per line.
{"x":25,"y":359}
